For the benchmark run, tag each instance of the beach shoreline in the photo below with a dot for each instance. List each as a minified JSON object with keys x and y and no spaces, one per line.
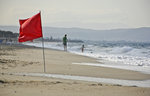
{"x":29,"y":59}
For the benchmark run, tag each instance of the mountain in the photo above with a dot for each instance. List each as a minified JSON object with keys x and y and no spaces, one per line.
{"x":133,"y":34}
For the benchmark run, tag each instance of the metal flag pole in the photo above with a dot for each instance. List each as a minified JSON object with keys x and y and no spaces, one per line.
{"x":43,"y":54}
{"x":43,"y":47}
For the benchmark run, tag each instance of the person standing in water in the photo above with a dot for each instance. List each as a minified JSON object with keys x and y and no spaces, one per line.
{"x":82,"y":48}
{"x":65,"y":42}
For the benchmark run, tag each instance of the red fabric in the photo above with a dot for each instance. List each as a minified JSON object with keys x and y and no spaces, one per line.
{"x":30,"y":28}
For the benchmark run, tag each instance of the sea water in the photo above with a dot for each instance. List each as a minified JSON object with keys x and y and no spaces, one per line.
{"x":121,"y":54}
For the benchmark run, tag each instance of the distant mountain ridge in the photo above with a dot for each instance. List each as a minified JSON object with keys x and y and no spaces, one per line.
{"x":132,"y":34}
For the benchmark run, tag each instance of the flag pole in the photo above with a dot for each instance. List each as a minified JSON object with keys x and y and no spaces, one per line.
{"x":43,"y":54}
{"x":43,"y":48}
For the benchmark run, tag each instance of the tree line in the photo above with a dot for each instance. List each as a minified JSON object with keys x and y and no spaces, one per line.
{"x":8,"y":34}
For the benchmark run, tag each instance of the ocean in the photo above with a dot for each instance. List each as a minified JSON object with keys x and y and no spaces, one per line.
{"x":118,"y":54}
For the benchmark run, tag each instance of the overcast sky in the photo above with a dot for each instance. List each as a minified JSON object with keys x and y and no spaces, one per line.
{"x":93,"y":14}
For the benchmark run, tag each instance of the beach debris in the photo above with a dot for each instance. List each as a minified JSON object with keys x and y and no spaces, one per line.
{"x":2,"y":82}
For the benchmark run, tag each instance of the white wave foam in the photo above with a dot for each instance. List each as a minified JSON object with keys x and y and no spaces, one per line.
{"x":121,"y":50}
{"x":123,"y":59}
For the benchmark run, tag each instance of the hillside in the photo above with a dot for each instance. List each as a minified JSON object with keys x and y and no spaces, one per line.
{"x":132,"y":34}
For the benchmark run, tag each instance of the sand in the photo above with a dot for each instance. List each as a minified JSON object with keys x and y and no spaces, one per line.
{"x":27,"y":59}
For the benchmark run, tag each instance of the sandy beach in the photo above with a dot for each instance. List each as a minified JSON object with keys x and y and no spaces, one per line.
{"x":25,"y":59}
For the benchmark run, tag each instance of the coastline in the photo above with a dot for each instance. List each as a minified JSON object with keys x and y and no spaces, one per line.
{"x":29,"y":59}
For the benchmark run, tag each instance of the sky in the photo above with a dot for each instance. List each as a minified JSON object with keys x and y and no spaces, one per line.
{"x":90,"y":14}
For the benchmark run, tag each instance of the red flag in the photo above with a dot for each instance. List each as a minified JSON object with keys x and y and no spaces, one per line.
{"x":30,"y":28}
